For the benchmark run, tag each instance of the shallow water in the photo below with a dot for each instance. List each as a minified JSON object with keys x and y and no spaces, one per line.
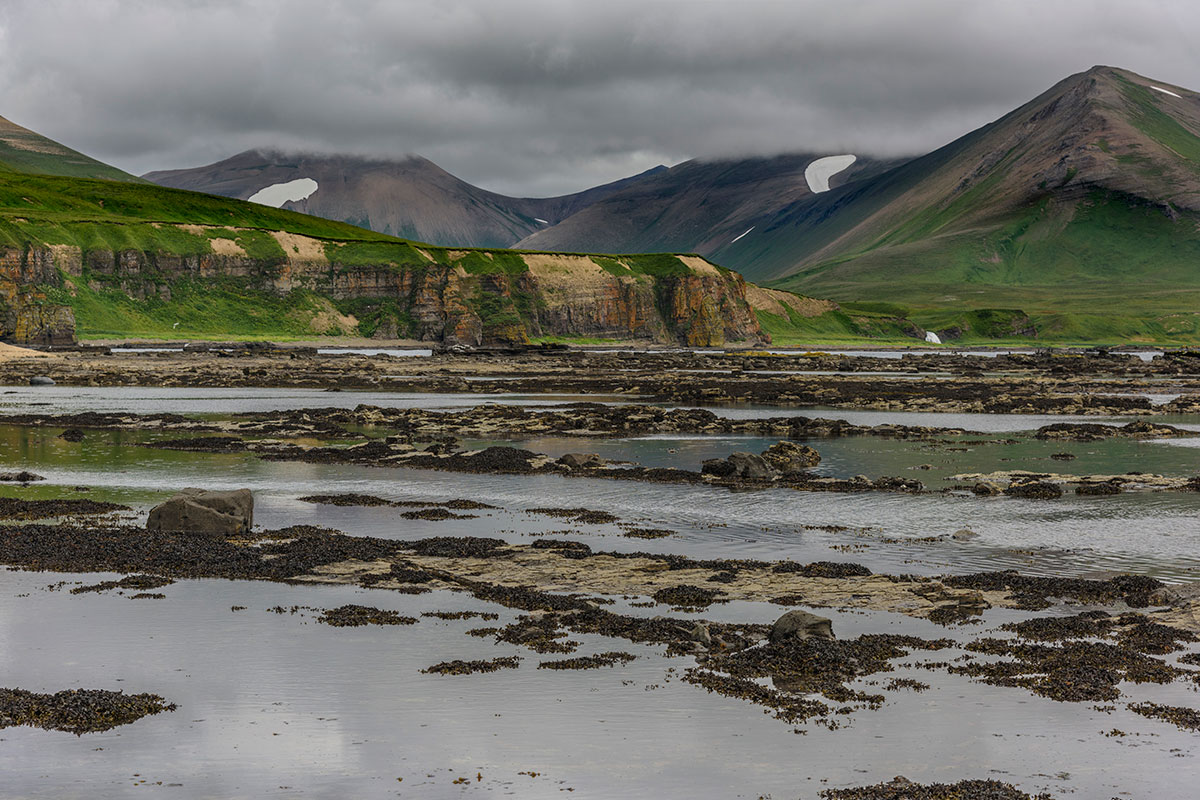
{"x":418,"y":352}
{"x":1144,"y":355}
{"x":169,"y":400}
{"x":281,"y":706}
{"x":149,"y":400}
{"x":1072,"y":535}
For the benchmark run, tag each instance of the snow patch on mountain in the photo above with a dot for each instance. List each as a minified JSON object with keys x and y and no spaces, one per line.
{"x":747,"y":231}
{"x":279,"y":193}
{"x":1165,"y":91}
{"x":820,"y":171}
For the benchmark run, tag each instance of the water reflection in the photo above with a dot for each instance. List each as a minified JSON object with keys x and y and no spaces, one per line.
{"x":277,"y":705}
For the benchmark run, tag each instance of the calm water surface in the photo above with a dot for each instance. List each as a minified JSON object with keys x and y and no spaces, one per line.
{"x":280,"y":706}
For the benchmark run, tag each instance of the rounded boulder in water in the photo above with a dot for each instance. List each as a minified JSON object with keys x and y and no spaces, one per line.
{"x":800,"y":625}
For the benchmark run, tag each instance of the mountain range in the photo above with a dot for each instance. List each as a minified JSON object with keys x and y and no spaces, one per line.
{"x":411,"y":198}
{"x":86,"y":249}
{"x":1053,"y":211}
{"x":1075,"y":217}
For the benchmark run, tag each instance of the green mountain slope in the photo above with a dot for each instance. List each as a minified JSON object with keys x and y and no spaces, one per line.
{"x":1081,"y":208}
{"x":22,"y":150}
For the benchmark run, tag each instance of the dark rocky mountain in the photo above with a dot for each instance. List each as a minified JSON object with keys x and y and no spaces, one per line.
{"x":699,"y":206}
{"x":411,"y":198}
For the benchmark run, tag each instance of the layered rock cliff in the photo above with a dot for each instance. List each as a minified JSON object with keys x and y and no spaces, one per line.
{"x":27,"y":315}
{"x":456,"y":297}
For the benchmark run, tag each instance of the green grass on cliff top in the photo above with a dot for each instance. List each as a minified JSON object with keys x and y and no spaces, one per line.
{"x":112,"y":215}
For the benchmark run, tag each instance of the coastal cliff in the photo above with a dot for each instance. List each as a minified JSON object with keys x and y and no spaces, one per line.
{"x":27,"y":315}
{"x":383,"y":290}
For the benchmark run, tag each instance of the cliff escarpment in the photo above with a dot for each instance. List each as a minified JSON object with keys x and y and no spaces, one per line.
{"x":27,"y":315}
{"x":210,"y":280}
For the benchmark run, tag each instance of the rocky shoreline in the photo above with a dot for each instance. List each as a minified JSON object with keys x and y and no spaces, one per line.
{"x":1073,"y":640}
{"x":1078,"y":384}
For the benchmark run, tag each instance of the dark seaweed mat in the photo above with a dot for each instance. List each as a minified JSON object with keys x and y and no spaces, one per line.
{"x":141,"y":582}
{"x":1133,"y":631}
{"x":70,"y":548}
{"x":1076,"y":671}
{"x":825,"y":666}
{"x":684,"y":596}
{"x":585,"y":516}
{"x":901,"y":789}
{"x":77,"y":711}
{"x":1034,"y":592}
{"x":540,"y":634}
{"x":436,"y":514}
{"x":460,"y":667}
{"x":352,"y":616}
{"x":823,"y":569}
{"x":347,"y":499}
{"x":16,"y":508}
{"x":787,"y":707}
{"x":589,"y":662}
{"x":1182,"y":717}
{"x":204,"y":444}
{"x":352,"y":499}
{"x":459,"y":547}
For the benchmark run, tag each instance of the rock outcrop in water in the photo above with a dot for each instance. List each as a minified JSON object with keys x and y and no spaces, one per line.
{"x":206,"y":512}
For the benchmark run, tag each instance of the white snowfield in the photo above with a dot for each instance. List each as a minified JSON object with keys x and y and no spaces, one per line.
{"x":1165,"y":91}
{"x":743,"y":234}
{"x":279,"y":193}
{"x":820,"y":171}
{"x":539,"y":219}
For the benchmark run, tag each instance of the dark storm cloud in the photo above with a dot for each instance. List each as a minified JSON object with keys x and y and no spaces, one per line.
{"x":543,"y":97}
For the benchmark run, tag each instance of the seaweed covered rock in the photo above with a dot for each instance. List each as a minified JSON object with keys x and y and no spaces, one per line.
{"x":1035,"y":490}
{"x":202,"y":511}
{"x":799,"y":624}
{"x":581,"y":460}
{"x":747,"y":466}
{"x":790,"y":458}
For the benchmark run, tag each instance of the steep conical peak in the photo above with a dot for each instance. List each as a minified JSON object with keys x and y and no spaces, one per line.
{"x":23,"y":150}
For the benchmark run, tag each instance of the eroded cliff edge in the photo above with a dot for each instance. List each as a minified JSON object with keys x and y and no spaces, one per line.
{"x":383,"y":290}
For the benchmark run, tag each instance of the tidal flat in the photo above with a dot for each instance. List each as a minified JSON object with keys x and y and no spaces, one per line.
{"x":547,"y":572}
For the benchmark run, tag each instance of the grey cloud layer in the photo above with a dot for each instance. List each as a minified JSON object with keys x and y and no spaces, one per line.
{"x":543,"y":97}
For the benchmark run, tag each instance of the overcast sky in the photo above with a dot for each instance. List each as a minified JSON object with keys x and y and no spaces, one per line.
{"x":537,"y":98}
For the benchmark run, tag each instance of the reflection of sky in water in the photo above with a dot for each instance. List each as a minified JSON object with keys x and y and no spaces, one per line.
{"x":269,"y":701}
{"x":1072,"y":535}
{"x":150,"y":400}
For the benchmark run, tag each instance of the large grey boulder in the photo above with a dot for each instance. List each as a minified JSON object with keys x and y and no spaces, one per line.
{"x":581,"y":460}
{"x":747,"y":466}
{"x":751,"y":466}
{"x":800,"y":625}
{"x":203,"y":511}
{"x":790,"y":458}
